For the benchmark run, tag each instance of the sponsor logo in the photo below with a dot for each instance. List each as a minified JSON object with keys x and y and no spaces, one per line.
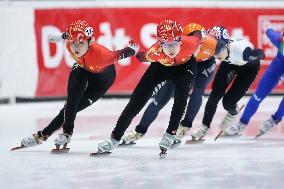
{"x":91,"y":102}
{"x":256,"y":98}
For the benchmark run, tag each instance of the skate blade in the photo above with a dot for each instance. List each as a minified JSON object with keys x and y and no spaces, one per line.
{"x":60,"y":150}
{"x":176,"y":144}
{"x":259,"y":135}
{"x":17,"y":148}
{"x":126,"y":144}
{"x":230,"y":136}
{"x":163,"y":153}
{"x":195,"y":141}
{"x":97,"y":154}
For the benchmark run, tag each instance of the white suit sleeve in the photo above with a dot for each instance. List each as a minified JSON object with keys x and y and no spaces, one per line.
{"x":237,"y":48}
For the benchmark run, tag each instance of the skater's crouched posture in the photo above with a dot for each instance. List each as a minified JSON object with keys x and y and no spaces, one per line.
{"x":239,"y":68}
{"x":269,"y":80}
{"x":172,"y":58}
{"x":205,"y":70}
{"x":90,"y":77}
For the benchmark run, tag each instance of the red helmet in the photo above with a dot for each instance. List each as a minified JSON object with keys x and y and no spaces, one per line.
{"x":80,"y":31}
{"x":169,"y":30}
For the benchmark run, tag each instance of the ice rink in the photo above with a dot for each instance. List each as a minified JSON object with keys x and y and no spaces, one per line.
{"x":243,"y":163}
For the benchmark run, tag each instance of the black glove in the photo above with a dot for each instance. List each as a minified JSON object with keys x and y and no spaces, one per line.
{"x":141,"y":56}
{"x":64,"y":35}
{"x":253,"y":54}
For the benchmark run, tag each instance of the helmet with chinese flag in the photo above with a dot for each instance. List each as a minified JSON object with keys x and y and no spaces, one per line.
{"x":79,"y":31}
{"x":168,"y":31}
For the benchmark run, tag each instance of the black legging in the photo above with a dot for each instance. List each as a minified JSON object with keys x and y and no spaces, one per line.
{"x":242,"y":77}
{"x":183,"y":78}
{"x":84,"y":88}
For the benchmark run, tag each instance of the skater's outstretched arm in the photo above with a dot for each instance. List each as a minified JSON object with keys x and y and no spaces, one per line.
{"x":275,"y":37}
{"x":128,"y":51}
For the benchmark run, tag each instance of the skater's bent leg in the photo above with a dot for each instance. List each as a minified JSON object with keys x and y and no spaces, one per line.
{"x":193,"y":106}
{"x":75,"y":90}
{"x":205,"y":73}
{"x":279,"y":113}
{"x":161,"y":98}
{"x":58,"y":121}
{"x":183,"y":84}
{"x":268,"y":81}
{"x":224,"y":76}
{"x":54,"y":125}
{"x":241,"y":84}
{"x":138,"y":99}
{"x":98,"y":84}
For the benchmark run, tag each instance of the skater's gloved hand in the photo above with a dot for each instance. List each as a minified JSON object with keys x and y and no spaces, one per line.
{"x":141,"y":56}
{"x":253,"y":54}
{"x":133,"y":45}
{"x":57,"y":37}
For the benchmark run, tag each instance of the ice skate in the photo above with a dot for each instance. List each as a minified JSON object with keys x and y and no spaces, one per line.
{"x":235,"y":130}
{"x":195,"y":141}
{"x":228,"y":121}
{"x":176,"y":143}
{"x":62,"y":140}
{"x":130,"y":138}
{"x":30,"y":141}
{"x":105,"y":147}
{"x":266,"y":126}
{"x":181,"y":131}
{"x":167,"y":141}
{"x":197,"y":135}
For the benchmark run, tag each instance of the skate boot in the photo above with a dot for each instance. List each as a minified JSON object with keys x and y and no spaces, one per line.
{"x":62,"y":140}
{"x":181,"y":131}
{"x":33,"y":140}
{"x":236,"y":129}
{"x":199,"y":133}
{"x":131,"y":137}
{"x":228,"y":121}
{"x":105,"y":147}
{"x":167,"y":141}
{"x":30,"y":141}
{"x":267,"y":126}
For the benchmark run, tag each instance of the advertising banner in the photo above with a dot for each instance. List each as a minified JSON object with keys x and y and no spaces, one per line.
{"x":114,"y":27}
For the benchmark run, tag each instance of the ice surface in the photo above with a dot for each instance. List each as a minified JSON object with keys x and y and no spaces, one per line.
{"x":242,"y":162}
